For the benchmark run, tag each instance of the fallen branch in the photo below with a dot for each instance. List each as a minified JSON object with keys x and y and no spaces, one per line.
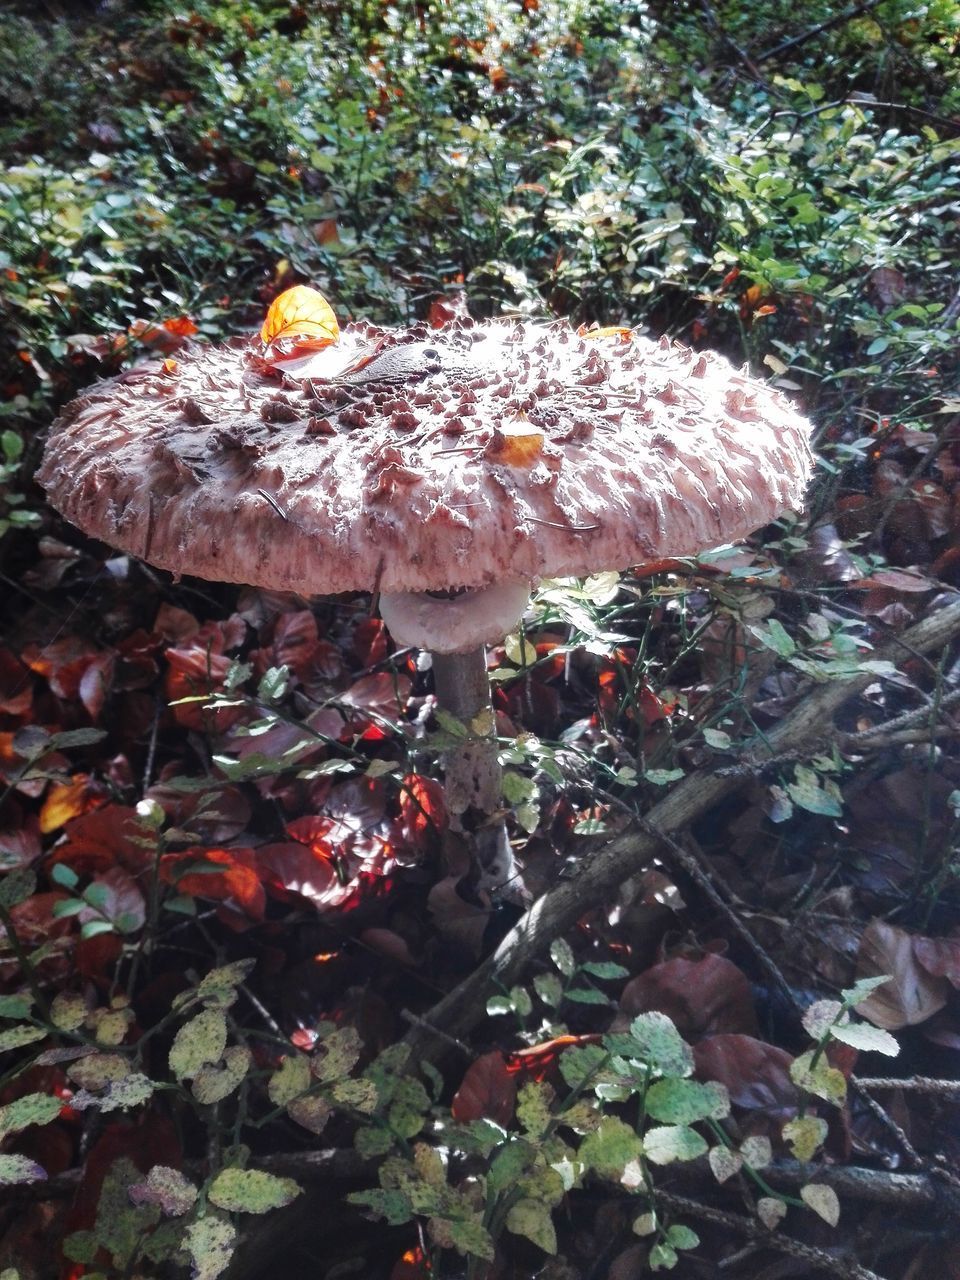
{"x":560,"y":908}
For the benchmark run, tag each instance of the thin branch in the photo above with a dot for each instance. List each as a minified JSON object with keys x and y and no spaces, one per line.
{"x":810,"y":722}
{"x":811,"y":33}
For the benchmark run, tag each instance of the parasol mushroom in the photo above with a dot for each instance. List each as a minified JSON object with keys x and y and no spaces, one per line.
{"x":446,"y":469}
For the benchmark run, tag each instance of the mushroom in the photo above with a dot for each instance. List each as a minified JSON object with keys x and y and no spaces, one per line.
{"x":446,"y":469}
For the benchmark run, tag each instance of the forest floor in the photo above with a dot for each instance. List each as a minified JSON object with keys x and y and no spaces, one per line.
{"x":258,"y":1016}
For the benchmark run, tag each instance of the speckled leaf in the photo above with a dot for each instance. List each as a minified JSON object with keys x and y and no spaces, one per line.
{"x":806,"y":1134}
{"x":685,"y":1101}
{"x":820,"y":1017}
{"x":408,"y":1108}
{"x":582,"y":1063}
{"x":168,"y":1188}
{"x":466,"y":1234}
{"x":771,"y":1211}
{"x":532,"y":1218}
{"x":32,"y":1108}
{"x":313,"y":1112}
{"x":822,"y":1200}
{"x":359,"y":1095}
{"x":610,"y":1148}
{"x":661,"y":1045}
{"x":336,"y":1055}
{"x":198,"y":1043}
{"x":391,"y":1205}
{"x":98,"y":1070}
{"x":118,"y":1095}
{"x":218,"y":989}
{"x":17,"y":1169}
{"x":213,"y":1084}
{"x":251,"y":1191}
{"x":724,"y":1163}
{"x":290,"y":1080}
{"x":110,"y":1026}
{"x":17,"y":1037}
{"x":667,"y":1143}
{"x":209,"y":1242}
{"x":15,"y":1006}
{"x":68,"y":1011}
{"x":821,"y":1079}
{"x":562,"y":956}
{"x":509,"y":1165}
{"x":756,"y":1151}
{"x":533,"y":1107}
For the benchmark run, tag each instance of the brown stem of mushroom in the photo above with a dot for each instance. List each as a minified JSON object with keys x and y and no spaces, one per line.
{"x":472,"y":775}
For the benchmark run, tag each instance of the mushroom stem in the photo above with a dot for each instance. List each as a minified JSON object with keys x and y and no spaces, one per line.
{"x":472,"y":774}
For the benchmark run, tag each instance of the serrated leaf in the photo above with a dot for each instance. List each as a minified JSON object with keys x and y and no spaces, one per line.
{"x":866,"y":1038}
{"x":686,"y":1101}
{"x":862,"y":988}
{"x":549,"y":988}
{"x":562,"y":956}
{"x":32,"y":1108}
{"x":209,"y":1243}
{"x":610,"y":1148}
{"x":666,"y":1143}
{"x":661,"y":1045}
{"x":167,"y":1188}
{"x":605,"y":969}
{"x":586,"y":995}
{"x":771,"y":1211}
{"x":199,"y":1042}
{"x":805,"y":1134}
{"x":724,"y":1163}
{"x":15,"y":1170}
{"x":214,"y":1083}
{"x":532,"y":1219}
{"x":251,"y":1191}
{"x":822,"y":1200}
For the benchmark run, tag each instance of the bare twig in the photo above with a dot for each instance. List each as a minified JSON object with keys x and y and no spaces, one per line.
{"x":811,"y":33}
{"x":914,"y":1084}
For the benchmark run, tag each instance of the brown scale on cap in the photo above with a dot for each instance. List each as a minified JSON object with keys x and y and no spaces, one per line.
{"x":427,"y":460}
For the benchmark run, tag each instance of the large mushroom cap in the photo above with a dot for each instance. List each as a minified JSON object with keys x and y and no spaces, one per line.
{"x":423,"y":460}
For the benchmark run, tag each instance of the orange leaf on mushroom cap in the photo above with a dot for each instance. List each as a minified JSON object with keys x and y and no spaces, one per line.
{"x":300,"y":319}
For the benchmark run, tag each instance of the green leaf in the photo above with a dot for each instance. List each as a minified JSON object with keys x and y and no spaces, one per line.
{"x":610,"y":1148}
{"x":290,"y":1081}
{"x":18,"y":1169}
{"x":682,"y":1237}
{"x":667,"y":1143}
{"x":866,"y":1038}
{"x":509,"y":1165}
{"x":15,"y":1006}
{"x":586,"y":995}
{"x":16,"y":886}
{"x":337,"y":1054}
{"x":862,"y":988}
{"x":68,"y":1011}
{"x":32,"y":1108}
{"x":17,"y":1037}
{"x":532,"y":1219}
{"x":391,"y":1205}
{"x":663,"y":1257}
{"x":774,"y":637}
{"x":686,"y":1101}
{"x":199,"y":1043}
{"x":605,"y":969}
{"x":661,"y":1045}
{"x":562,"y":955}
{"x":210,"y":1243}
{"x":549,"y":988}
{"x":251,"y":1191}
